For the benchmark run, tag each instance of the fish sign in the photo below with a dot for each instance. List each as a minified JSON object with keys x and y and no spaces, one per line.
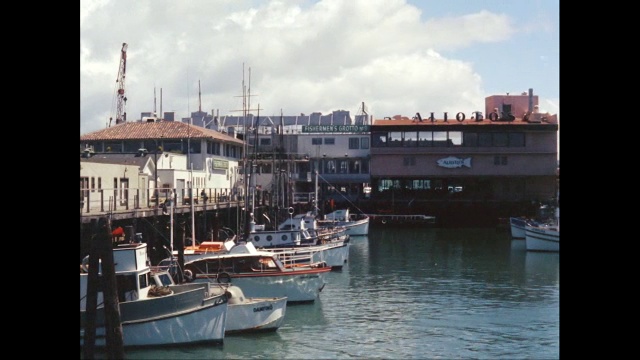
{"x":454,"y":162}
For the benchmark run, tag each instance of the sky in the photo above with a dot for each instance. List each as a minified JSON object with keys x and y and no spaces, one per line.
{"x":397,"y":57}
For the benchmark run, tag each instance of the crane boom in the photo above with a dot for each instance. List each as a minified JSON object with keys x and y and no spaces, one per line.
{"x":121,"y":115}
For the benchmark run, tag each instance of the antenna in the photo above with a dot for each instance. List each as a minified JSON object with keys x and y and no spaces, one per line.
{"x":154,"y":102}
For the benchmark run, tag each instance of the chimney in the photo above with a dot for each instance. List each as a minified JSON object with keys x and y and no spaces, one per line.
{"x":530,"y":100}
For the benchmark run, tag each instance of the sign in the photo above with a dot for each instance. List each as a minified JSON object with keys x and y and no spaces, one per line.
{"x":219,"y":164}
{"x":335,"y":128}
{"x":452,"y":162}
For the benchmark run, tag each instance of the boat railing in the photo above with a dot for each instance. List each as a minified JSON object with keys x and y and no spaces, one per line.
{"x":292,"y":257}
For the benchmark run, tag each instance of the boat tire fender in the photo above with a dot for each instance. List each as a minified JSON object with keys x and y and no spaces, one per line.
{"x":224,"y":278}
{"x":188,"y":275}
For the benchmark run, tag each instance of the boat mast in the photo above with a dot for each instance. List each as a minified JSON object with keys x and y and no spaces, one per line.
{"x":315,"y":199}
{"x":193,"y":211}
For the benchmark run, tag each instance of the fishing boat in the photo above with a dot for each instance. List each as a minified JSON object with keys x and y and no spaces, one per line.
{"x":244,"y":314}
{"x":302,"y":239}
{"x":544,"y":237}
{"x":153,"y":315}
{"x":517,"y":224}
{"x":355,"y":224}
{"x":260,"y":273}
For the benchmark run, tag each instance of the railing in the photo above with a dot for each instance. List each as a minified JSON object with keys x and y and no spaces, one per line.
{"x":105,"y":200}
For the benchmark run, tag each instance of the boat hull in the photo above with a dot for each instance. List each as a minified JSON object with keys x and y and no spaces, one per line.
{"x":298,"y":286}
{"x":517,"y":227}
{"x":256,"y":314}
{"x":542,"y":238}
{"x":352,"y":227}
{"x":355,"y":225}
{"x":185,"y":317}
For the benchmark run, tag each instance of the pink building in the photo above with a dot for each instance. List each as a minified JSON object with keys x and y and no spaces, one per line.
{"x":505,"y":159}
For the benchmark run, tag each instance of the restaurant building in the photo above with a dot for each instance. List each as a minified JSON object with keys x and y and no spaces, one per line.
{"x":466,"y":164}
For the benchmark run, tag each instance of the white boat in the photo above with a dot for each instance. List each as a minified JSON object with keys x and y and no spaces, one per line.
{"x":355,"y":225}
{"x":244,"y":314}
{"x":300,"y":237}
{"x":260,"y":274}
{"x":517,"y":224}
{"x":151,"y":315}
{"x":253,"y":314}
{"x":543,"y":237}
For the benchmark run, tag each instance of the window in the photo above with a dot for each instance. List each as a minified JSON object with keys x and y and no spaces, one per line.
{"x":84,"y":185}
{"x":316,"y":141}
{"x":175,"y":146}
{"x":410,"y":138}
{"x":484,"y":139}
{"x":379,"y":139}
{"x":364,"y":143}
{"x":329,"y":141}
{"x":425,"y":138}
{"x":93,"y":184}
{"x":265,"y":141}
{"x":365,"y":166}
{"x":455,"y":138}
{"x":440,"y":138}
{"x":500,"y":139}
{"x":151,"y":146}
{"x":395,"y":138}
{"x":330,"y":167}
{"x":194,"y":147}
{"x":354,"y":166}
{"x":470,"y":139}
{"x":354,"y":143}
{"x":113,"y":146}
{"x":131,"y":146}
{"x":516,"y":139}
{"x":344,"y":165}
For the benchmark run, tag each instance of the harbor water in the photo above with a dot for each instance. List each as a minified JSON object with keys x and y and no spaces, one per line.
{"x":415,"y":293}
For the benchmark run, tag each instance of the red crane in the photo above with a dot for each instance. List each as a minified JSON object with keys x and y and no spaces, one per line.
{"x":121,"y":115}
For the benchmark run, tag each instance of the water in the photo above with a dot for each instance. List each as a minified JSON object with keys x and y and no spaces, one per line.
{"x":416,"y":294}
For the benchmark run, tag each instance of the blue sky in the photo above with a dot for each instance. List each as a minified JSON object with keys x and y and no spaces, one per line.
{"x":399,"y":57}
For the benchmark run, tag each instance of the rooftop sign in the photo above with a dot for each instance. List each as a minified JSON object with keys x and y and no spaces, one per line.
{"x":334,"y":128}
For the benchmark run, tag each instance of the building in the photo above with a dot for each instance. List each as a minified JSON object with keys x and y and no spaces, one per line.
{"x":290,"y":149}
{"x":125,"y":175}
{"x":506,"y":160}
{"x":184,"y":156}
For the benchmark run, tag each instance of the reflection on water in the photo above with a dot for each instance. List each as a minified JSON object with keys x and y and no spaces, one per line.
{"x":416,"y":294}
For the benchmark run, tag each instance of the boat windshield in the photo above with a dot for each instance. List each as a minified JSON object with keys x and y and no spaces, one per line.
{"x":163,"y":279}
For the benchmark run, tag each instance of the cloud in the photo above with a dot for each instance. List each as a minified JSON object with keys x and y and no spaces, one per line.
{"x":303,"y":56}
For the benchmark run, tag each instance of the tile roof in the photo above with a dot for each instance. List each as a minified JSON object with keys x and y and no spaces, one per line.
{"x":117,"y":158}
{"x":156,"y":130}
